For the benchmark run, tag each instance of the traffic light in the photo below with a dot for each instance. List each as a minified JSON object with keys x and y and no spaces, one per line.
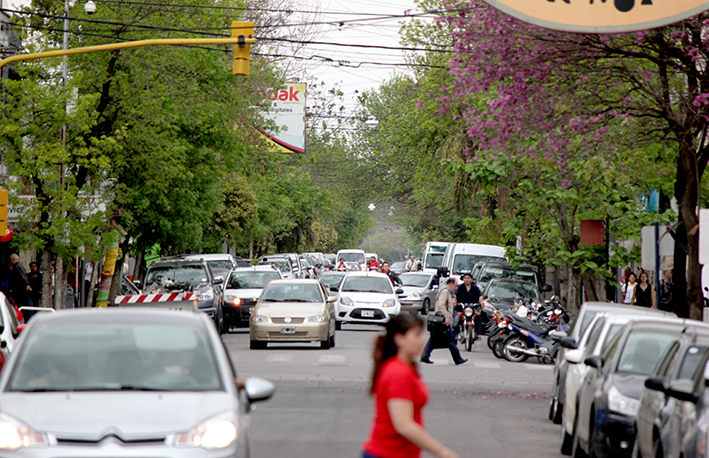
{"x":242,"y":30}
{"x":4,"y":201}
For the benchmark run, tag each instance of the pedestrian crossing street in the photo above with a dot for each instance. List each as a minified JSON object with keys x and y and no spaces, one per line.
{"x":343,"y":360}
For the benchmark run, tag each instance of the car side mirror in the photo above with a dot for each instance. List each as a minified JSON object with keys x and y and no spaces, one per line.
{"x":331,"y":299}
{"x":258,"y":389}
{"x":218,"y":280}
{"x":594,"y":361}
{"x":568,"y":342}
{"x":434,"y":287}
{"x":682,"y":390}
{"x":557,"y":335}
{"x":334,"y":289}
{"x":573,"y":356}
{"x":546,"y":289}
{"x":656,"y":384}
{"x":399,"y":291}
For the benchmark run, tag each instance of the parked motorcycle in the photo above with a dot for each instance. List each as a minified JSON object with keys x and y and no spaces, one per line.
{"x":528,"y":338}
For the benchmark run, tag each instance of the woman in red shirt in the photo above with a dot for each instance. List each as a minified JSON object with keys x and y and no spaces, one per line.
{"x":400,"y":394}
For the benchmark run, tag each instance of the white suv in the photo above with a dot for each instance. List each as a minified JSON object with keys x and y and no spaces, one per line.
{"x":366,"y":297}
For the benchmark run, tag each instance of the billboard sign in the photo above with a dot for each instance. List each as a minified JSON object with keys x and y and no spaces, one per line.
{"x":288,"y":112}
{"x":601,"y":16}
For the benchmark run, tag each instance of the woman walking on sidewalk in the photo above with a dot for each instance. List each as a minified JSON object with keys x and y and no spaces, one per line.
{"x":400,"y":395}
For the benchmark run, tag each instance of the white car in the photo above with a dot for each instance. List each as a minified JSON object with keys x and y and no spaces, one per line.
{"x":603,"y":328}
{"x":366,"y":297}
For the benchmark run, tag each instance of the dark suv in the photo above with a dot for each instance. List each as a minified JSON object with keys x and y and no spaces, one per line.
{"x":172,"y":276}
{"x":242,"y":290}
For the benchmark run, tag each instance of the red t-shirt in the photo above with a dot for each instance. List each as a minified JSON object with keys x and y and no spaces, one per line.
{"x":397,"y":380}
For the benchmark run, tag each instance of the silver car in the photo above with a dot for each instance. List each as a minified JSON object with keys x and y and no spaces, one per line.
{"x":420,"y":292}
{"x":124,"y":383}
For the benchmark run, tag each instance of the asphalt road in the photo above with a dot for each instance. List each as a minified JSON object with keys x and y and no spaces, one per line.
{"x":484,"y":408}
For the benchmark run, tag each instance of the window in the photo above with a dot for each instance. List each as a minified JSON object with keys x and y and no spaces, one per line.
{"x":464,"y":263}
{"x":692,"y":362}
{"x":613,"y":331}
{"x":292,"y":292}
{"x":643,"y":350}
{"x":183,"y":273}
{"x":667,"y":361}
{"x":251,"y":280}
{"x":367,"y":285}
{"x":593,"y":336}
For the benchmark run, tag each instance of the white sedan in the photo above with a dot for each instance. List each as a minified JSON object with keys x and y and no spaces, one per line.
{"x":366,"y":297}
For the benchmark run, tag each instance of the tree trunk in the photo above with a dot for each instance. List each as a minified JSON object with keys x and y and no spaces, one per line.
{"x":137,"y":269}
{"x":46,"y":265}
{"x":569,"y":282}
{"x":686,"y":186}
{"x":92,"y":287}
{"x":117,"y":280}
{"x":594,"y":286}
{"x":59,"y":284}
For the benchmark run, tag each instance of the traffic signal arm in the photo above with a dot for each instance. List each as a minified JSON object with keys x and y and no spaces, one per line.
{"x":132,"y":44}
{"x":242,"y":31}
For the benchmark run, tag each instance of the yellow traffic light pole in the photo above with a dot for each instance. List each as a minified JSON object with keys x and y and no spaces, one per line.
{"x":242,"y":43}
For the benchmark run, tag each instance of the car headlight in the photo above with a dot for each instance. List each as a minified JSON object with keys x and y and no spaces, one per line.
{"x":207,"y":295}
{"x":468,"y":311}
{"x":259,"y":319}
{"x":415,"y":295}
{"x":15,"y":435}
{"x":315,"y":319}
{"x":346,"y":301}
{"x":618,"y":402}
{"x":233,"y":300}
{"x":389,"y":303}
{"x":216,"y":433}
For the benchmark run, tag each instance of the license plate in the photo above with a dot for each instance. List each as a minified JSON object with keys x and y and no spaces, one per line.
{"x":287,"y":329}
{"x":368,"y":313}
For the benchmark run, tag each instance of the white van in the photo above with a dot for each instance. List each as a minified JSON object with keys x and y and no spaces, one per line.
{"x":352,"y":256}
{"x":433,"y":253}
{"x":461,"y":257}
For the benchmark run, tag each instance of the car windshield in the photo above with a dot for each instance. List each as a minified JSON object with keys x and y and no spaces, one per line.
{"x":512,"y":290}
{"x":221,"y":265}
{"x":418,"y":281}
{"x":190,"y":273}
{"x":292,"y":292}
{"x":526,"y":275}
{"x":464,"y":263}
{"x":251,"y":280}
{"x":434,"y":260}
{"x":692,"y":362}
{"x":329,"y":280}
{"x":353,"y":266}
{"x":643,"y":350}
{"x":116,"y":356}
{"x":279,"y":263}
{"x":367,"y":285}
{"x":398,"y":265}
{"x":490,"y":272}
{"x":351,"y":257}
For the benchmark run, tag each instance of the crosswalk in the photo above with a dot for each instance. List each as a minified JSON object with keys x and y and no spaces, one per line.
{"x":331,"y":359}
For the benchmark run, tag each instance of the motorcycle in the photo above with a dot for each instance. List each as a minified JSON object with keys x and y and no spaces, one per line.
{"x":466,"y":325}
{"x":531,"y":339}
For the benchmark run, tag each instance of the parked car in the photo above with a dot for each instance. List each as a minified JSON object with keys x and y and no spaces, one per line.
{"x":486,"y":271}
{"x":293,"y":311}
{"x":242,"y":290}
{"x":602,"y":330}
{"x":419,"y":292}
{"x":279,"y":262}
{"x":295,"y":264}
{"x":125,"y":382}
{"x":578,"y":327}
{"x":609,"y":397}
{"x":219,"y":263}
{"x":181,"y":275}
{"x":366,"y":297}
{"x":501,"y":293}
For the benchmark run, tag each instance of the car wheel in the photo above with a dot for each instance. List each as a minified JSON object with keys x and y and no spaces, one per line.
{"x":508,"y":350}
{"x":256,"y":345}
{"x":427,"y":305}
{"x":659,"y":450}
{"x":332,"y":341}
{"x":552,"y":408}
{"x":567,"y":442}
{"x":338,"y":325}
{"x":558,"y":412}
{"x":469,"y":339}
{"x":325,"y":344}
{"x":497,"y":349}
{"x":491,"y":341}
{"x":576,"y":450}
{"x":424,"y":309}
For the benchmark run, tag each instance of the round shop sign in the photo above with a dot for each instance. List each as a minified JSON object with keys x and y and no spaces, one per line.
{"x":601,"y":16}
{"x":7,"y":236}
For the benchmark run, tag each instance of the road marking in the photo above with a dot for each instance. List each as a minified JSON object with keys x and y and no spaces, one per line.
{"x":276,"y":358}
{"x":487,"y":365}
{"x":538,"y":367}
{"x":331,"y":358}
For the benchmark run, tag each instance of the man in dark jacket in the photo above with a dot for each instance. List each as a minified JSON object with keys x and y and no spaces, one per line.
{"x":19,"y":284}
{"x":469,"y":293}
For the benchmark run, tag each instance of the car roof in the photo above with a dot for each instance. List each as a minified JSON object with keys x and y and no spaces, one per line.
{"x":261,"y":267}
{"x":644,"y":314}
{"x":102,"y":315}
{"x":210,"y":257}
{"x":615,"y":307}
{"x":669,"y":322}
{"x":177,"y":262}
{"x":334,"y":272}
{"x":422,"y":274}
{"x":298,"y":281}
{"x":509,"y":280}
{"x":367,"y":274}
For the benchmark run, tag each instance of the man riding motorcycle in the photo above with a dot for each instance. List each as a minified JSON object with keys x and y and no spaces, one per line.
{"x":469,"y":293}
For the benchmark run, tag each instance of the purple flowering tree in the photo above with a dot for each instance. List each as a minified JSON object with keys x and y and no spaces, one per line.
{"x":526,"y":90}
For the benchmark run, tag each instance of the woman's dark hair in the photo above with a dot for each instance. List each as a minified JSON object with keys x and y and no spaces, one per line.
{"x":385,"y":347}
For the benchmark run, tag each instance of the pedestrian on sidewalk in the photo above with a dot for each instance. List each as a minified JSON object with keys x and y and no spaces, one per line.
{"x":400,"y":395}
{"x":19,"y":284}
{"x":628,"y":289}
{"x":667,"y":292}
{"x":34,"y":277}
{"x":644,"y":294}
{"x":445,"y":306}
